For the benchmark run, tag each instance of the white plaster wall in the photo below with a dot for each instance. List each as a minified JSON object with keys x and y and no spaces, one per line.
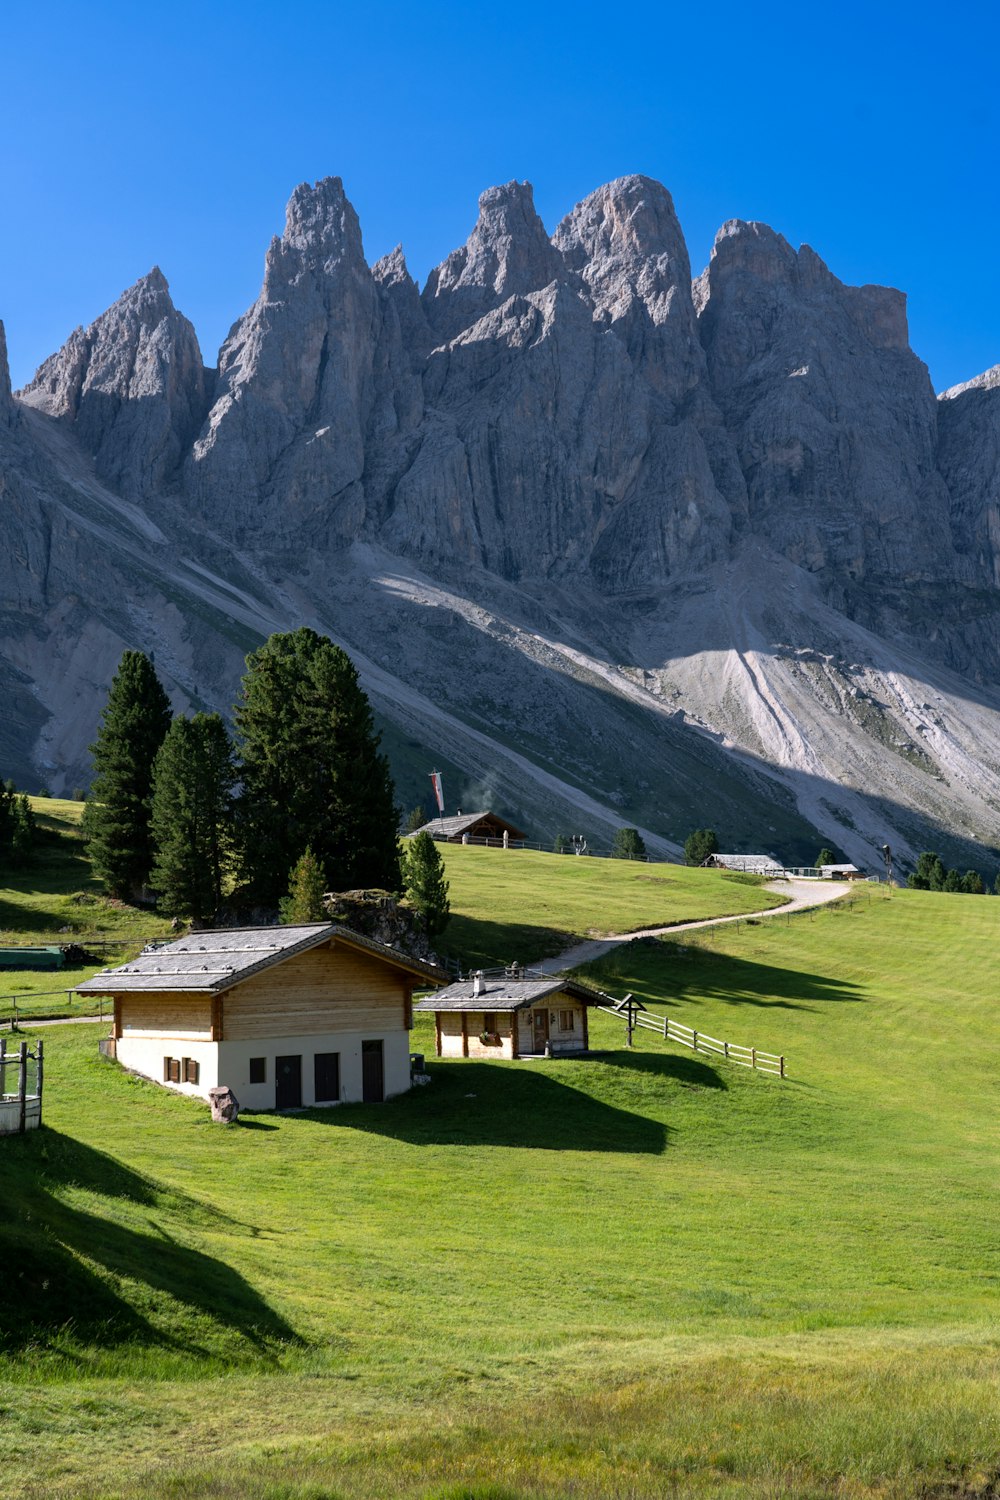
{"x":145,"y":1055}
{"x":234,"y":1064}
{"x":229,"y":1063}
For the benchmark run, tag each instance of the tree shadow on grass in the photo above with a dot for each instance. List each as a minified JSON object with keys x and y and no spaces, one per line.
{"x":474,"y":1103}
{"x":659,"y":972}
{"x":63,"y":1265}
{"x":668,"y":1067}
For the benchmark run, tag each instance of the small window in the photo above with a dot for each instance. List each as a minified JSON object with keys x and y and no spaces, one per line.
{"x":567,"y":1020}
{"x":327,"y":1076}
{"x":171,"y":1070}
{"x":189,"y":1069}
{"x":258,"y":1070}
{"x":490,"y":1021}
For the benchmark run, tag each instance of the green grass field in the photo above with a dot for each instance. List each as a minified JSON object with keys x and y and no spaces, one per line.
{"x":521,"y":905}
{"x":633,"y":1275}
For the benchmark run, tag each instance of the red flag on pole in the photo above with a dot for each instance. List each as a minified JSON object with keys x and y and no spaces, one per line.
{"x":438,"y":790}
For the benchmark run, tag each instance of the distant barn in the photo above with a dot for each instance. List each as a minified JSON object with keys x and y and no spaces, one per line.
{"x":744,"y":864}
{"x":473,"y":828}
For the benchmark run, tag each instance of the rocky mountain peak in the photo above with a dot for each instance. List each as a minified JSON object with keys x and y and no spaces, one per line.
{"x":508,"y":252}
{"x":321,"y":224}
{"x":132,"y":386}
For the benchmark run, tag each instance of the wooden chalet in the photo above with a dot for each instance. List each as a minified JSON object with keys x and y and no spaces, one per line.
{"x":473,"y":828}
{"x":511,"y":1013}
{"x":287,"y":1017}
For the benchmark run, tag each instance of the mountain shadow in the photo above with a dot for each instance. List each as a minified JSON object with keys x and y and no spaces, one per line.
{"x":63,"y":1265}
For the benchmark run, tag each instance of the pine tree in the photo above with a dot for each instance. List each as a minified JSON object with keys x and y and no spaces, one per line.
{"x":972,"y":883}
{"x":193,"y":779}
{"x":824,"y":857}
{"x":628,"y":844}
{"x":426,"y":886}
{"x":929,"y":874}
{"x":699,"y":845}
{"x":116,"y":818}
{"x":313,"y":774}
{"x":952,"y":882}
{"x":306,"y":889}
{"x":415,"y":819}
{"x":23,"y":830}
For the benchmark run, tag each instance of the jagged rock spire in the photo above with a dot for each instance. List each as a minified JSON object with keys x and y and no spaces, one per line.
{"x":132,"y":386}
{"x":6,"y":401}
{"x":508,"y":252}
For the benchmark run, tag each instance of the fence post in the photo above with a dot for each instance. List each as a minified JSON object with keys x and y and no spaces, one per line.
{"x":781,"y":1063}
{"x":695,"y":1036}
{"x":666,"y":1028}
{"x":753,"y":1057}
{"x":22,"y":1086}
{"x":725,"y":1049}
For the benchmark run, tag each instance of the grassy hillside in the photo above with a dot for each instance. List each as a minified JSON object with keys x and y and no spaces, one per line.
{"x":632,"y":1275}
{"x":56,"y":898}
{"x":523,"y":905}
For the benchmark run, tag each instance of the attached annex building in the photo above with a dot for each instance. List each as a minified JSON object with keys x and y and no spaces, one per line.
{"x":288,"y":1017}
{"x":511,"y":1013}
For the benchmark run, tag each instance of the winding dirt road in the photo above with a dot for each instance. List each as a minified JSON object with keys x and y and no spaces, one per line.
{"x":801,"y":894}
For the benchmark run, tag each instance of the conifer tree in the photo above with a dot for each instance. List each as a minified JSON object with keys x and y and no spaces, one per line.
{"x":116,"y":818}
{"x":426,"y":886}
{"x":628,"y":843}
{"x":306,"y":889}
{"x":18,"y":831}
{"x":193,"y":779}
{"x":699,"y":845}
{"x":824,"y":857}
{"x":313,"y":774}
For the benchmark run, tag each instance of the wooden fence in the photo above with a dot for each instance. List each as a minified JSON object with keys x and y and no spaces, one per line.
{"x":17,"y":1011}
{"x":20,"y":1105}
{"x":699,"y":1041}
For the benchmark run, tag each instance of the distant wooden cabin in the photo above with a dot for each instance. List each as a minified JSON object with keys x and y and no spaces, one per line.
{"x":511,"y":1015}
{"x":474,"y":828}
{"x":288,"y":1017}
{"x":744,"y":864}
{"x":841,"y":872}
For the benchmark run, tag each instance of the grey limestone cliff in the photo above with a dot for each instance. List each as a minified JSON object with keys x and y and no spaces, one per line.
{"x":132,"y":387}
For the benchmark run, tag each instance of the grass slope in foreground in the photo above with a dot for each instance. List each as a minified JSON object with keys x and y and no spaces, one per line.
{"x":521,"y":905}
{"x":633,"y":1276}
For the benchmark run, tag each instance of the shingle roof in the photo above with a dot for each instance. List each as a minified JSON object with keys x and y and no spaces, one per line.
{"x":464,"y":823}
{"x":206,"y":962}
{"x":752,"y":864}
{"x":504,"y":994}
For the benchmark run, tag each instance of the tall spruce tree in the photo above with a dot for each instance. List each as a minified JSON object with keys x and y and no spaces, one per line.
{"x":426,"y":886}
{"x":193,"y":778}
{"x":313,"y":774}
{"x":116,"y":818}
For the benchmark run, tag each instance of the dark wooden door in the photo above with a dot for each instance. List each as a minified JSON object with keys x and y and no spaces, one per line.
{"x":327,"y":1077}
{"x":540,"y":1022}
{"x":372,"y":1073}
{"x":288,"y":1083}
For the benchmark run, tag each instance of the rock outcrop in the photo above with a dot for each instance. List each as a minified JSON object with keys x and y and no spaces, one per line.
{"x":131,"y":386}
{"x":969,"y":460}
{"x":831,"y":414}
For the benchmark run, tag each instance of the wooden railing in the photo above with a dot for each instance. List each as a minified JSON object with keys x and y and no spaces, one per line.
{"x":699,"y":1041}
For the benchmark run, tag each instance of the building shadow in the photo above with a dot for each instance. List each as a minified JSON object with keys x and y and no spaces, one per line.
{"x":63,"y":1264}
{"x":505,"y":1105}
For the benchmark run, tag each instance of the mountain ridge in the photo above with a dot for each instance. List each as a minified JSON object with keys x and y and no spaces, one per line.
{"x":734,"y":495}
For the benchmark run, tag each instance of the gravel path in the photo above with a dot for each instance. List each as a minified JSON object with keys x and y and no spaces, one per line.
{"x":801,"y":894}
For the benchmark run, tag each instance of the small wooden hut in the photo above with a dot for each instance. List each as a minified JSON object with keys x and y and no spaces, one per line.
{"x":473,"y":828}
{"x":511,"y":1013}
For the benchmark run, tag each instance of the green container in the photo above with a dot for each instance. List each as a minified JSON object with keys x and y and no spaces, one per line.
{"x":31,"y":958}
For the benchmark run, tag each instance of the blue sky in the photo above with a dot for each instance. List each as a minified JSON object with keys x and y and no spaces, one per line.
{"x":135,"y":135}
